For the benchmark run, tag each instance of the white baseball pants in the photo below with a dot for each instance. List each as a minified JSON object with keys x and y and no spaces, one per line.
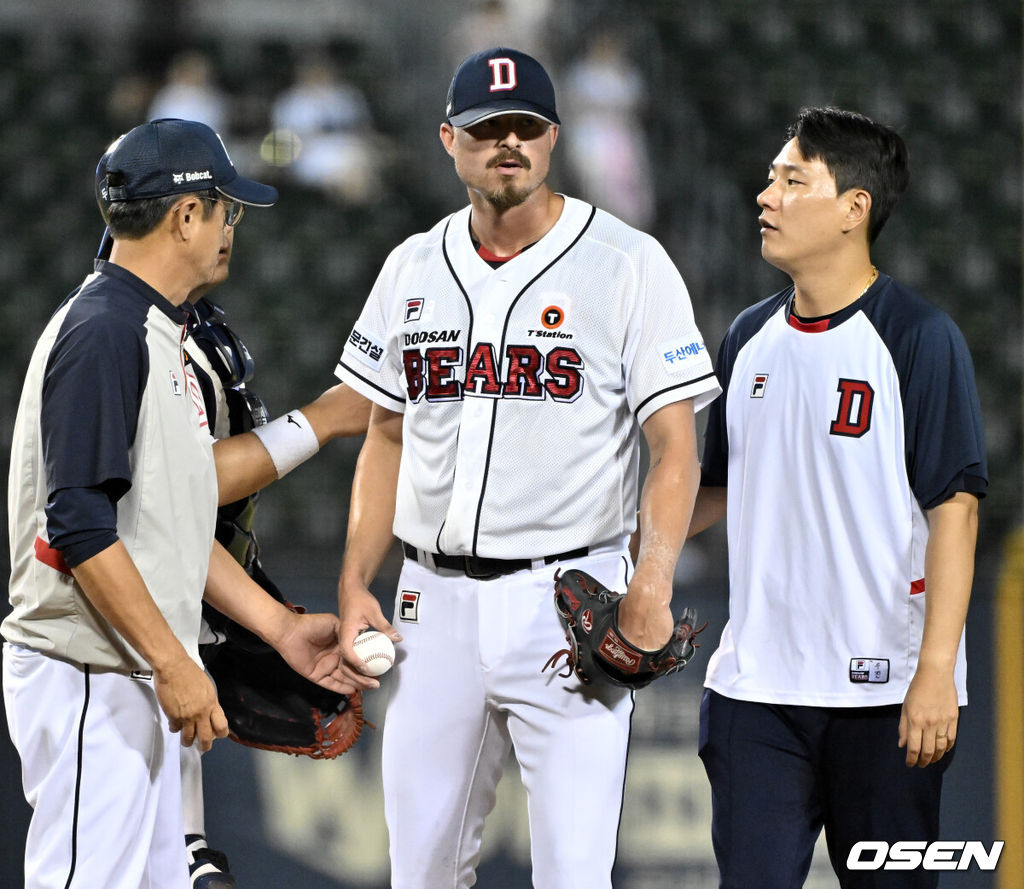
{"x":467,"y":687}
{"x":101,"y":771}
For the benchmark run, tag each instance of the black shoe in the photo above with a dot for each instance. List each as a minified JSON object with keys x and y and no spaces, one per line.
{"x":207,"y":868}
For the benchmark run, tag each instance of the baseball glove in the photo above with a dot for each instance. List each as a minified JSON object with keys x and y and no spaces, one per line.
{"x":269,"y":705}
{"x":598,"y":652}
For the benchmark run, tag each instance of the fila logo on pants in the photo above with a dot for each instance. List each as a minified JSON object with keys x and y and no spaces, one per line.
{"x":409,"y":607}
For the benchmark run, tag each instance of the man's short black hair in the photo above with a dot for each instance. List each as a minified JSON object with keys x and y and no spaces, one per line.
{"x":131,"y":220}
{"x":859,"y":153}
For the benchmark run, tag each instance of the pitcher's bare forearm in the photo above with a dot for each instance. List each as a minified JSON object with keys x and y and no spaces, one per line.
{"x":665,"y":506}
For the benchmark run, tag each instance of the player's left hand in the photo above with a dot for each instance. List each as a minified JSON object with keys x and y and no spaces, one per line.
{"x":645,"y":614}
{"x":309,"y":644}
{"x":928,"y":722}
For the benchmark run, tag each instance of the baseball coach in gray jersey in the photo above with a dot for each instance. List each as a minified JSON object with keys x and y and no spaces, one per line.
{"x":112,"y":500}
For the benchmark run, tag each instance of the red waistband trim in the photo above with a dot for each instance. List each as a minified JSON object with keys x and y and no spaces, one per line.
{"x":52,"y":557}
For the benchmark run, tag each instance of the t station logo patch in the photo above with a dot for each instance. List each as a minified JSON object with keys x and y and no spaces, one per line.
{"x":552,"y":317}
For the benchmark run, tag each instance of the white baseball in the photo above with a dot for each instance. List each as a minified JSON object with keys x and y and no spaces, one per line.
{"x":376,"y":650}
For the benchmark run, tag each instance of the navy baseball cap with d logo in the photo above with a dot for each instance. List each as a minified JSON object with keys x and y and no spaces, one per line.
{"x":500,"y":81}
{"x":172,"y":156}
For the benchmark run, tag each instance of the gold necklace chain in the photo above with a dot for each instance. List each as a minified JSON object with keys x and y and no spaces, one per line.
{"x":871,"y":280}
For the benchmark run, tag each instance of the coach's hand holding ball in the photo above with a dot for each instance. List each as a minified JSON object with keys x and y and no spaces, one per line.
{"x":376,"y":650}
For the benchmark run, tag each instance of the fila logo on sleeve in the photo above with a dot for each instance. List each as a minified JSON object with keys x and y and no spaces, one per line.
{"x":503,"y":74}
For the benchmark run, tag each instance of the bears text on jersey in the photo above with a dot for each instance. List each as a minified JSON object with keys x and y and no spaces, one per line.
{"x":442,"y":373}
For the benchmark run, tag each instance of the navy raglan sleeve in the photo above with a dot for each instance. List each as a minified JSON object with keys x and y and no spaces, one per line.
{"x":945,"y":448}
{"x":91,"y":396}
{"x":715,"y":463}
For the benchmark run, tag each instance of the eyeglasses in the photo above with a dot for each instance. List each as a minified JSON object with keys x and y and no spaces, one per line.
{"x":233,"y":210}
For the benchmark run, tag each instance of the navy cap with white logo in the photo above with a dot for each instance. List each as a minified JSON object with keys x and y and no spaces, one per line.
{"x":172,"y":156}
{"x":500,"y":81}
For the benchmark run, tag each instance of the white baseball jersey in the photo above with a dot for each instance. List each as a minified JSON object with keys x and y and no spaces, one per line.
{"x":834,"y":438}
{"x":524,"y":387}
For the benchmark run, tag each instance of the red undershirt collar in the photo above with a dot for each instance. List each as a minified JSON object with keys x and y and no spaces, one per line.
{"x":809,"y":325}
{"x":487,"y":256}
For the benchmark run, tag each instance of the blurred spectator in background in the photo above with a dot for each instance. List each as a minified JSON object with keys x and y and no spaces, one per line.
{"x":500,"y":23}
{"x":191,"y":92}
{"x":606,"y":145}
{"x":323,"y":132}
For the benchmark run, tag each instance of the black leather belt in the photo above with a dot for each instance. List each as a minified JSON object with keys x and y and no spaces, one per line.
{"x":480,"y":568}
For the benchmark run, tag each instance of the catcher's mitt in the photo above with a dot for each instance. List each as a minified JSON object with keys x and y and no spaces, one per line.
{"x":597,"y":649}
{"x":269,"y":705}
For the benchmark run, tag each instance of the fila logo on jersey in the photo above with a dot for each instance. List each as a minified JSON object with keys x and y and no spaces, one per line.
{"x":869,"y":669}
{"x":413,"y":309}
{"x":759,"y":385}
{"x":503,"y":74}
{"x":856,"y":398}
{"x":409,"y":607}
{"x":175,"y":384}
{"x":530,"y":375}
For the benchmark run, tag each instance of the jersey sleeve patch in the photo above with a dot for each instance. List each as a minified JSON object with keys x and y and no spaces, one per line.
{"x":366,"y":349}
{"x":679,"y":355}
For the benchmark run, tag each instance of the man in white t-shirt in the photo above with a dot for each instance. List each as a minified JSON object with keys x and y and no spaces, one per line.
{"x":847,"y":454}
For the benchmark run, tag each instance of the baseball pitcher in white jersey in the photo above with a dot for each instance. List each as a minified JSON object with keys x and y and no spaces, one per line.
{"x":514,"y":353}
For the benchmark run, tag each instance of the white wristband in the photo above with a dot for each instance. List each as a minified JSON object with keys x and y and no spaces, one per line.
{"x":290,"y":440}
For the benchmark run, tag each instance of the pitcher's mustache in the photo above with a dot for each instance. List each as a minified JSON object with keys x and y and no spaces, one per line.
{"x":510,"y":155}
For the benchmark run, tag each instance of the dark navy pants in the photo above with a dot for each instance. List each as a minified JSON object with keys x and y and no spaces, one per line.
{"x":779,"y":774}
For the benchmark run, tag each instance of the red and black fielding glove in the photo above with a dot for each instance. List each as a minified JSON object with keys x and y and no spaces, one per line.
{"x":598,"y":651}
